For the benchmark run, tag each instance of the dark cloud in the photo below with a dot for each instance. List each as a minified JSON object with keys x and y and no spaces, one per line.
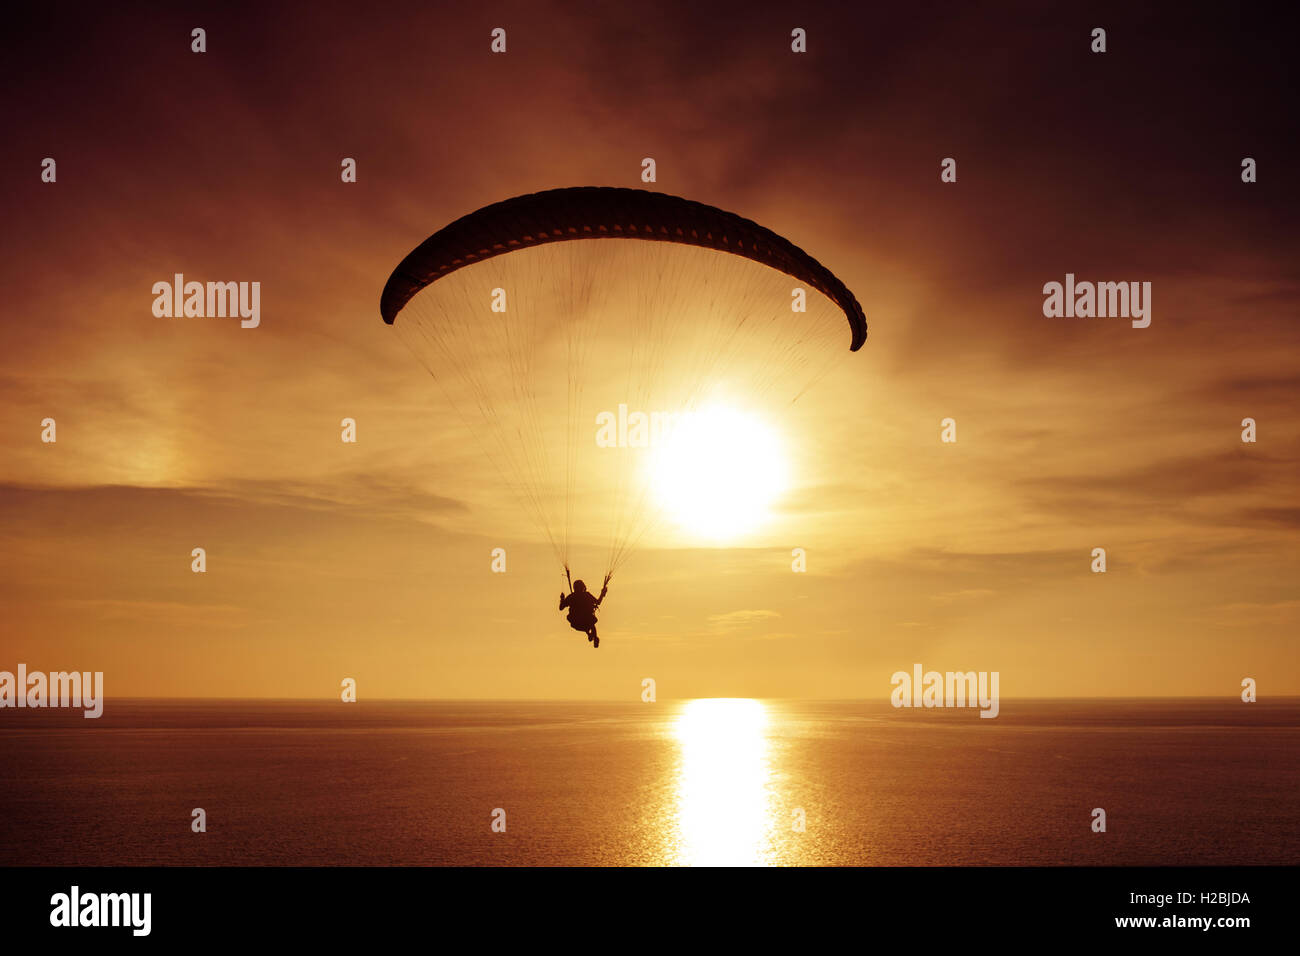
{"x":1283,"y":518}
{"x":1168,"y":483}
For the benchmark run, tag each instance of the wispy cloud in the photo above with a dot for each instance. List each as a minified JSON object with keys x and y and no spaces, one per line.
{"x":740,"y":620}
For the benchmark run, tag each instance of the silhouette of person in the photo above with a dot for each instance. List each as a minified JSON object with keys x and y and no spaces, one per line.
{"x":582,"y":609}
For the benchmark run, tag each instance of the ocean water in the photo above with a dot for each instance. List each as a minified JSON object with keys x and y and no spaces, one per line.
{"x":713,"y":782}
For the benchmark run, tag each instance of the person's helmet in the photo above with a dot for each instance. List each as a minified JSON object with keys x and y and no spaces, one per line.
{"x":579,"y":586}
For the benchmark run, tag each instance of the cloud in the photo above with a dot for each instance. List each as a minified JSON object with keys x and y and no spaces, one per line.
{"x":739,"y":620}
{"x":375,"y":495}
{"x":171,"y":613}
{"x":1285,"y":518}
{"x":966,"y":594}
{"x":357,"y":495}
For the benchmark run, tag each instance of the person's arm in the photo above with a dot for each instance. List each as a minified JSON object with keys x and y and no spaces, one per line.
{"x":564,"y":600}
{"x":603,"y":591}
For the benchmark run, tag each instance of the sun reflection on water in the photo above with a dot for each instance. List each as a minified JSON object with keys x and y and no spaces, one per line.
{"x":724,"y":811}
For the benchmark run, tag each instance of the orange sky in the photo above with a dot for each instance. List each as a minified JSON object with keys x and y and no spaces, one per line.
{"x":371,"y":560}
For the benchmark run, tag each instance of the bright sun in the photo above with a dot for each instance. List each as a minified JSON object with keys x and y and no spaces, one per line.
{"x":718,"y":472}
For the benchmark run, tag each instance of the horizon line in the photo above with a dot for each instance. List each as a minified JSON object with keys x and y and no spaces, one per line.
{"x":615,"y":700}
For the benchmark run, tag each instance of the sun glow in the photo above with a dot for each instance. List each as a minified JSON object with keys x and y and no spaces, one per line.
{"x":718,"y":473}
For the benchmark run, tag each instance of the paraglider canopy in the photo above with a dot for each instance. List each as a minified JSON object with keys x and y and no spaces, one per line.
{"x":600,"y":212}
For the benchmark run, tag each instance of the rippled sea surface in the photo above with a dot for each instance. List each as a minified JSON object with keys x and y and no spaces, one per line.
{"x":714,"y":782}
